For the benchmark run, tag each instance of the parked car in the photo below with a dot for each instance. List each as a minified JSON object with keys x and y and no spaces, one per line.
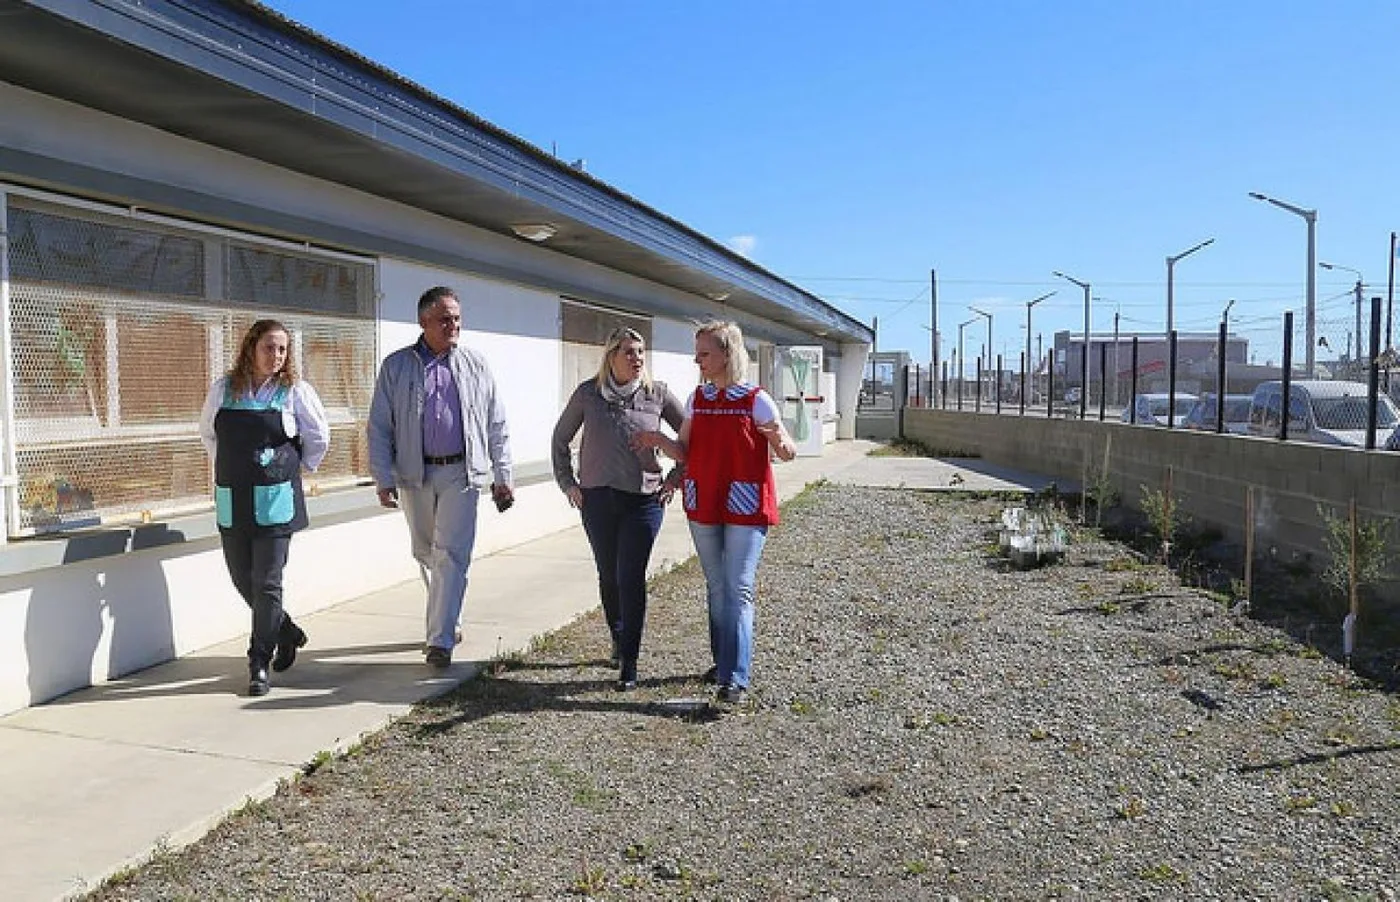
{"x":1153,"y":409}
{"x":1202,"y":414}
{"x":1323,"y":411}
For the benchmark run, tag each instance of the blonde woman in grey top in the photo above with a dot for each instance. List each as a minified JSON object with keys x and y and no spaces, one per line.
{"x":619,"y":489}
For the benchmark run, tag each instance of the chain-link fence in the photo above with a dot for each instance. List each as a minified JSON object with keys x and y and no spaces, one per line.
{"x":1200,"y":380}
{"x":117,"y":329}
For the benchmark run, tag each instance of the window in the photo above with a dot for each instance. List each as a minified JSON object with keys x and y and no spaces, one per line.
{"x":117,"y":328}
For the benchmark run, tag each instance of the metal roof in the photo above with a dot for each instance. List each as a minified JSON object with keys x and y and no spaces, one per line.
{"x":237,"y":75}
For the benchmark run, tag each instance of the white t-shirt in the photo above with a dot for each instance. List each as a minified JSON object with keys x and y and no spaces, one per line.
{"x":765,"y":409}
{"x":305,"y":416}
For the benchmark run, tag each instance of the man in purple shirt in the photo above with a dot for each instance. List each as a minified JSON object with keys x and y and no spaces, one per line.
{"x":437,"y":435}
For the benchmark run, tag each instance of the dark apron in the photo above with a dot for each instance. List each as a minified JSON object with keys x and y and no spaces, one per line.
{"x":257,"y":468}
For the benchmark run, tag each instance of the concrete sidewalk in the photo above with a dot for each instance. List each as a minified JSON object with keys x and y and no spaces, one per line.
{"x":102,"y":778}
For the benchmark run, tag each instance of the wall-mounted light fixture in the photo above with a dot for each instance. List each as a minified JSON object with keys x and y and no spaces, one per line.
{"x":534,"y":231}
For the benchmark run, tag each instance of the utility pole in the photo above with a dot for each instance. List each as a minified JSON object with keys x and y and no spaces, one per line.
{"x":933,"y":336}
{"x":1116,"y":371}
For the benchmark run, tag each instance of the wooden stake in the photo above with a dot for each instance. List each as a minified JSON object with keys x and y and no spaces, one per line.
{"x":1167,"y":520}
{"x":1355,"y":607}
{"x":1249,"y":544}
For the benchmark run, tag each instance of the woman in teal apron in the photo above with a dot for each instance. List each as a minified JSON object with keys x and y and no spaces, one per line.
{"x":261,"y":426}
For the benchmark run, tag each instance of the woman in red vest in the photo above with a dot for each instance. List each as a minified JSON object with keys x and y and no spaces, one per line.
{"x":728,"y":492}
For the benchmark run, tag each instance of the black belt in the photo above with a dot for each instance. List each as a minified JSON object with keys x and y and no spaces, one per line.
{"x":449,"y":459}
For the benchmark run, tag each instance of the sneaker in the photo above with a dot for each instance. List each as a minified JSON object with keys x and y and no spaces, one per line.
{"x":439,"y":658}
{"x":710,"y":677}
{"x":732,"y":695}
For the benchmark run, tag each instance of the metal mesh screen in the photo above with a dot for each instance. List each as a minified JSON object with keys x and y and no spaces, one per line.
{"x":117,"y":331}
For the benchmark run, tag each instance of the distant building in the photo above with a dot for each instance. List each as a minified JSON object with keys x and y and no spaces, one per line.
{"x":1196,"y":367}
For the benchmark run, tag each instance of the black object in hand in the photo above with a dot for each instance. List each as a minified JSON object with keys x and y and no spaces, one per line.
{"x":503,"y":500}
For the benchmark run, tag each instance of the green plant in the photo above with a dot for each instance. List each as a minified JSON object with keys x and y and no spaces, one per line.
{"x":1164,"y":517}
{"x":1161,"y":873}
{"x":1101,"y":490}
{"x":318,"y":761}
{"x":916,"y":868}
{"x":1130,"y":809}
{"x":1373,"y":537}
{"x":591,"y":880}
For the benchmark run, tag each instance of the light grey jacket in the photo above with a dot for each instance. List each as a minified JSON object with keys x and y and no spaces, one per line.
{"x":396,"y":420}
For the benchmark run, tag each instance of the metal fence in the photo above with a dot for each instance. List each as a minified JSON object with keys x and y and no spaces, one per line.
{"x":1203,"y":381}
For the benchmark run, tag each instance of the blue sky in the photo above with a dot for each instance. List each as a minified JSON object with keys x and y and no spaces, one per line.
{"x":851,"y":147}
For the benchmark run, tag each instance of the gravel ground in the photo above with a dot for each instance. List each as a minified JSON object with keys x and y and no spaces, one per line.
{"x":925,"y":724}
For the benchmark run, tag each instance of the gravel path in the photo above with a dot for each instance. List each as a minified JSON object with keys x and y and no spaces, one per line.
{"x":926,"y":724}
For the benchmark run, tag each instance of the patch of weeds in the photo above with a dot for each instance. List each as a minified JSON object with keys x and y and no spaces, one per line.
{"x":925,"y":721}
{"x":1339,"y":736}
{"x":591,"y":880}
{"x":1139,"y":585}
{"x":1122,"y":565}
{"x":1130,"y":809}
{"x":252,"y":807}
{"x":1161,"y":873}
{"x":1343,"y":808}
{"x":1310,"y":653}
{"x":1295,"y":804}
{"x":801,"y":707}
{"x":1233,"y":670}
{"x":318,"y":761}
{"x":1334,"y":890}
{"x":1392,"y":714}
{"x":1108,"y":608}
{"x":916,"y":868}
{"x":1275,"y":680}
{"x":1038,"y":734}
{"x":637,"y":852}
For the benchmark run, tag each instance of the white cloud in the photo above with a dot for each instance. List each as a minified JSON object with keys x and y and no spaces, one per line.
{"x":743,"y":244}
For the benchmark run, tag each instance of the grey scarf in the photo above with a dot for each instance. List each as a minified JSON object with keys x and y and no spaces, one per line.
{"x":619,"y":395}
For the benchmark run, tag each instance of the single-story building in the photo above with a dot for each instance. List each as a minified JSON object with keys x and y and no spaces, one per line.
{"x":172,"y":170}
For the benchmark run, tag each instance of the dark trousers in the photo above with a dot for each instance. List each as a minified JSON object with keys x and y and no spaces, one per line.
{"x":255,"y":564}
{"x":621,"y":528}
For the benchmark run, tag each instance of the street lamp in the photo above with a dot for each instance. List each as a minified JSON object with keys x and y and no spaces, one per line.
{"x":1359,"y":289}
{"x":1029,"y":305}
{"x":1310,"y":217}
{"x":962,"y":360}
{"x":1171,"y":264}
{"x":1225,"y":317}
{"x":1084,"y":383}
{"x":990,"y":353}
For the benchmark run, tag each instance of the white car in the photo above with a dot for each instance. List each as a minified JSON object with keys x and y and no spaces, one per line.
{"x":1154,"y":408}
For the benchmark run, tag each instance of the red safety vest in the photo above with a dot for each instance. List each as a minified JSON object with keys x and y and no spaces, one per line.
{"x":728,"y":477}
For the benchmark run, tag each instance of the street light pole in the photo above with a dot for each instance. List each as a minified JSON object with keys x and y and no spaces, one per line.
{"x":1358,"y":290}
{"x":962,"y":360}
{"x":1084,"y":375}
{"x":1310,"y":217}
{"x":1029,"y":305}
{"x":1171,"y":265}
{"x":990,"y":353}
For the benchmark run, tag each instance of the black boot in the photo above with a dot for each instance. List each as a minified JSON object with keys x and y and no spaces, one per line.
{"x":289,"y":638}
{"x":627,"y":676}
{"x":257,"y":679}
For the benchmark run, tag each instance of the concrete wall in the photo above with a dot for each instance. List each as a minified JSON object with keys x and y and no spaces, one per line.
{"x":1211,"y":474}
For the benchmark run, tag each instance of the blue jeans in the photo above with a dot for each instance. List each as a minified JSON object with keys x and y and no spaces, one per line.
{"x":621,"y":529}
{"x":729,"y":557}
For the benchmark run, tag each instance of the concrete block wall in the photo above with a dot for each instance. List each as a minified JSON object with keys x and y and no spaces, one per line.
{"x":1211,"y":474}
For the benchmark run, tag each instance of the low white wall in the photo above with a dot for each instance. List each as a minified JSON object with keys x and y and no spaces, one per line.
{"x":88,"y":622}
